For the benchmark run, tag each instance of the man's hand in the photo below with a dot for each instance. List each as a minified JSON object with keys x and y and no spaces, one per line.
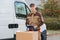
{"x":35,"y":26}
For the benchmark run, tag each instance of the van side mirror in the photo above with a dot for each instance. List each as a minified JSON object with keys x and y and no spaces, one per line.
{"x":10,"y":26}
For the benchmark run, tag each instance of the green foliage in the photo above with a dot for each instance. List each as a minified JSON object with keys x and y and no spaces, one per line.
{"x":53,"y":26}
{"x":53,"y":23}
{"x":51,"y":8}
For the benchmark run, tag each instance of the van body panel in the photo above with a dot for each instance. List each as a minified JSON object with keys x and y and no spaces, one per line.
{"x":8,"y":16}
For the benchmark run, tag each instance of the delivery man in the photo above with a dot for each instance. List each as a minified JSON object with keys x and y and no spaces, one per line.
{"x":36,"y":24}
{"x":33,"y":20}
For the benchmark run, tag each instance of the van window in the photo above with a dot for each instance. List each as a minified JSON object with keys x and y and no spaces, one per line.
{"x":20,"y":10}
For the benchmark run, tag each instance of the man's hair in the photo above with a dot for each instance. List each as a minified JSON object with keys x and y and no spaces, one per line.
{"x":32,"y":5}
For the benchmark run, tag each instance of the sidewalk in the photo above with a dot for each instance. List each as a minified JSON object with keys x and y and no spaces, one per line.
{"x":53,"y":33}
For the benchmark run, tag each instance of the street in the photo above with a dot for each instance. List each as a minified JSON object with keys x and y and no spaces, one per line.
{"x":54,"y":37}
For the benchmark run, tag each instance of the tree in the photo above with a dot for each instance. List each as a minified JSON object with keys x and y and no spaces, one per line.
{"x":51,"y":8}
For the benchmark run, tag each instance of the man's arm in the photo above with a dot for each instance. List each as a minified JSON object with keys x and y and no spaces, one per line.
{"x":42,"y":17}
{"x":27,"y":22}
{"x":41,"y":20}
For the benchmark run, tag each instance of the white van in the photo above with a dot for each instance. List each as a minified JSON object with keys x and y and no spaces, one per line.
{"x":12,"y":17}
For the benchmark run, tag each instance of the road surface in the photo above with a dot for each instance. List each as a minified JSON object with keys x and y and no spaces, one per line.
{"x":56,"y":37}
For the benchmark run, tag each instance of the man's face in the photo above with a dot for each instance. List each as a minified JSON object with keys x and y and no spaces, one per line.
{"x":33,"y":10}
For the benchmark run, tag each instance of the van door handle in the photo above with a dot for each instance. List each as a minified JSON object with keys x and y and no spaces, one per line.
{"x":10,"y":26}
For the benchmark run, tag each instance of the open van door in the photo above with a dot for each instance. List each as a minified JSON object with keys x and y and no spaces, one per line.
{"x":21,"y":10}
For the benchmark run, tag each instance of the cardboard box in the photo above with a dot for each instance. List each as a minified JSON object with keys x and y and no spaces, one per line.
{"x":27,"y":35}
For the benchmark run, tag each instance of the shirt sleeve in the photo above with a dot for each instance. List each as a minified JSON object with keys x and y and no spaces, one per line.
{"x":41,"y":20}
{"x":42,"y":17}
{"x":27,"y":21}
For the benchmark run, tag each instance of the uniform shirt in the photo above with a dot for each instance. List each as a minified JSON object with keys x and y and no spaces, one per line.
{"x":34,"y":20}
